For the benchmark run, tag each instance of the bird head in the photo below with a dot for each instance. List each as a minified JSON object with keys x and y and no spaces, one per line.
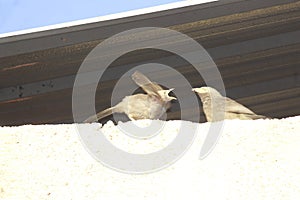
{"x":206,"y":91}
{"x":201,"y":90}
{"x":164,"y":94}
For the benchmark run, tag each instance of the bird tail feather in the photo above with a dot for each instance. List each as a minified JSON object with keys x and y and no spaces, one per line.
{"x":261,"y":117}
{"x":255,"y":116}
{"x":99,"y":115}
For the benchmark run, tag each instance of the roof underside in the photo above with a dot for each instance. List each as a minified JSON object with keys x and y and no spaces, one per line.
{"x":254,"y":43}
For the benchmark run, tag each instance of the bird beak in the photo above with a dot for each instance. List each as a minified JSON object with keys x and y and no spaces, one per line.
{"x":170,"y":90}
{"x":195,"y":89}
{"x":199,"y":90}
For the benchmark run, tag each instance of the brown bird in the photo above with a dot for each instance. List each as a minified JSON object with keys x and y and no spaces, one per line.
{"x":212,"y":102}
{"x":140,"y":106}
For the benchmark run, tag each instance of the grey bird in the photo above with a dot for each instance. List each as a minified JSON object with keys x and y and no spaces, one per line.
{"x":140,"y":106}
{"x":217,"y":107}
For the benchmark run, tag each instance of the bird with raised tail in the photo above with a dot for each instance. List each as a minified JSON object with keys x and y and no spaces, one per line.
{"x":217,"y":107}
{"x":152,"y":105}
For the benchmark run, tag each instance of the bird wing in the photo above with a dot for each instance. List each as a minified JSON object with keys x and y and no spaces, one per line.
{"x":235,"y":107}
{"x":148,"y":86}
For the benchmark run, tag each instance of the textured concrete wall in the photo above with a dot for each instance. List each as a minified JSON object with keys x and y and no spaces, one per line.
{"x":252,"y":160}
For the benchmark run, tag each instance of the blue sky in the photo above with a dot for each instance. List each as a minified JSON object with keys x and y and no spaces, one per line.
{"x":24,"y":14}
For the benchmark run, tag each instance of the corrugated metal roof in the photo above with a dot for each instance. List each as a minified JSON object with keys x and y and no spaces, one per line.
{"x":255,"y":44}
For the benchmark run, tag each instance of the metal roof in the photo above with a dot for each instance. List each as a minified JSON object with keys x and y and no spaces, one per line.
{"x":255,"y":44}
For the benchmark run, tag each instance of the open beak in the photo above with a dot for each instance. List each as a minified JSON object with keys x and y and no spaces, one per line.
{"x":170,"y":90}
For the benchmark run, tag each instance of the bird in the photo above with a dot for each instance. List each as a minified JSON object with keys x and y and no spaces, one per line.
{"x":151,"y":105}
{"x":152,"y":88}
{"x":212,"y":102}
